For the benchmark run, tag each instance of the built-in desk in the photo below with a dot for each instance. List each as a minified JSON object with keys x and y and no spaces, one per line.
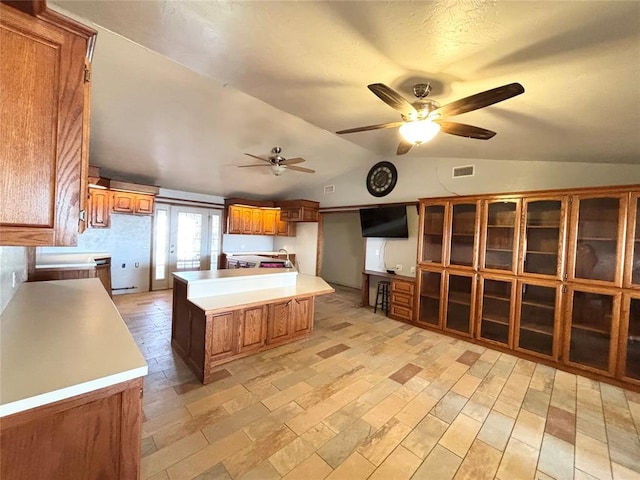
{"x":402,"y":293}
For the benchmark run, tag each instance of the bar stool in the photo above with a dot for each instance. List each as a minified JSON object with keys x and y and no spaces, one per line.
{"x":382,"y":297}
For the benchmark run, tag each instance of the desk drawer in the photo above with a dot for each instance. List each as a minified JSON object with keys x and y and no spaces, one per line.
{"x":402,"y":286}
{"x":401,"y":313}
{"x":401,"y":299}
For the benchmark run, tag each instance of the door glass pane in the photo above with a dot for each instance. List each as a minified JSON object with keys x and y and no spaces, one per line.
{"x":635,"y":275}
{"x":189,"y":241}
{"x":160,"y":235}
{"x":463,"y":234}
{"x":215,"y":239}
{"x":597,"y":239}
{"x":433,"y":233}
{"x":459,"y":303}
{"x":537,"y":318}
{"x":501,"y":222}
{"x":633,"y":340}
{"x":591,"y":329}
{"x":543,"y":237}
{"x":430,"y":297}
{"x":496,"y":303}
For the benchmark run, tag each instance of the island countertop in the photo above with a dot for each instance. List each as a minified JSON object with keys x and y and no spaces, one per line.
{"x":59,"y":339}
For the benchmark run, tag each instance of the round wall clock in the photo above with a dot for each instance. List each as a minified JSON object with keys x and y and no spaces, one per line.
{"x":381,"y":179}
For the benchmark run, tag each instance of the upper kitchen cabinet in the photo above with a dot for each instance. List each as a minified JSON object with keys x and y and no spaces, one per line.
{"x":632,"y":270}
{"x":597,"y":226}
{"x":500,"y":222}
{"x":434,"y":239}
{"x":136,"y":203}
{"x":543,"y":236}
{"x":298,"y":210}
{"x":44,"y":105}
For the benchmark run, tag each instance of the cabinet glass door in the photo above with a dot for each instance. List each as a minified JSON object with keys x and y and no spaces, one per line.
{"x":495,"y":310}
{"x":631,"y":340}
{"x":597,"y":240}
{"x":433,"y":234}
{"x":632,"y":273}
{"x":544,"y":232}
{"x":463,"y":234}
{"x":593,"y":320}
{"x":500,"y":235}
{"x":459,"y":306}
{"x":430,"y":288}
{"x":536,"y":319}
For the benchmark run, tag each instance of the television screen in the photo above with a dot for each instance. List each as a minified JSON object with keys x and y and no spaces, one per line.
{"x":384,"y":222}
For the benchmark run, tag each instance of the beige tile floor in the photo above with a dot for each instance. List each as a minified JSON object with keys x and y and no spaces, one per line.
{"x":369,"y":397}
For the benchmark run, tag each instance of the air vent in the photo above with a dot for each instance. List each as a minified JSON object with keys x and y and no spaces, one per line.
{"x":467,"y":171}
{"x":329,"y":189}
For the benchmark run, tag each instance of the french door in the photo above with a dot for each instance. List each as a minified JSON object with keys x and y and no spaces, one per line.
{"x":184,"y":238}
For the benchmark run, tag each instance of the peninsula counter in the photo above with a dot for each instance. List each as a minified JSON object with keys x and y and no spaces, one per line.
{"x":222,"y":315}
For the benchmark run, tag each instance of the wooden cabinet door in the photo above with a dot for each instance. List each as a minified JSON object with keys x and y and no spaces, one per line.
{"x":495,"y":309}
{"x":256,"y":221}
{"x":401,"y":300}
{"x":284,"y":229}
{"x":596,"y":243}
{"x":252,"y":330}
{"x":629,"y":345}
{"x":247,"y":220}
{"x":538,"y":317}
{"x":144,"y":204}
{"x":99,"y":208}
{"x":41,"y":140}
{"x":591,"y":328}
{"x":433,"y":241}
{"x":234,"y":219}
{"x":302,"y":316}
{"x":123,"y":202}
{"x":500,"y":233}
{"x":542,"y":237}
{"x":632,"y":256}
{"x":430,"y":286}
{"x":464,"y":229}
{"x":279,"y":322}
{"x":459,"y":308}
{"x":223,"y":337}
{"x":269,"y":221}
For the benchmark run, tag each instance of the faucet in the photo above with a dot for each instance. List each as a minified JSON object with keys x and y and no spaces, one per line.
{"x":287,"y":264}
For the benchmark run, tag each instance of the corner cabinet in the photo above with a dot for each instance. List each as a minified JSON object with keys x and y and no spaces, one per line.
{"x":44,"y":105}
{"x":551,"y":275}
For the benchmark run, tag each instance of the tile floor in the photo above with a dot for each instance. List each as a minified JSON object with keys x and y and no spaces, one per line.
{"x":369,"y":397}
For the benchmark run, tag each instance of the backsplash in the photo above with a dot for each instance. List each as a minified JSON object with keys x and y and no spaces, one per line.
{"x":12,"y":259}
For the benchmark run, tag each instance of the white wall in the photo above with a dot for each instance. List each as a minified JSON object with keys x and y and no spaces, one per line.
{"x":343,"y":249}
{"x":12,"y":259}
{"x":306,"y":247}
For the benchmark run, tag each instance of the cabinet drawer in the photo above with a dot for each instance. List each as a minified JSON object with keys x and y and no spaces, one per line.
{"x":401,"y":299}
{"x":401,"y":313}
{"x":402,"y":286}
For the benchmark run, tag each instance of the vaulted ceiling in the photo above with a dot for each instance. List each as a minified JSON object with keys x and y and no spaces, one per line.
{"x":182,"y":89}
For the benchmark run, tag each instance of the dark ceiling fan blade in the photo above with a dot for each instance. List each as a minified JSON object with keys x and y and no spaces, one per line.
{"x":403,"y":147}
{"x":463,"y":130}
{"x":292,"y":161}
{"x":391,"y":98}
{"x":301,"y":169}
{"x":371,"y":127}
{"x":480,"y":100}
{"x":258,"y":158}
{"x":245,"y":166}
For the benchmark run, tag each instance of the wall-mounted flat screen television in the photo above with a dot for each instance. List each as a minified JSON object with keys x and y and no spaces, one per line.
{"x":384,"y":222}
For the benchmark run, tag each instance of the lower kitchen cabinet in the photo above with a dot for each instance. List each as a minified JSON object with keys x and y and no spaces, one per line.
{"x":402,"y":299}
{"x":279,"y":324}
{"x":221,"y":339}
{"x":495,"y":309}
{"x":459,"y":307}
{"x":253,"y":328}
{"x":302,"y":318}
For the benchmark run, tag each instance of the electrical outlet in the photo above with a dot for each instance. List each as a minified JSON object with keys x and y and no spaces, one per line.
{"x":413,"y":269}
{"x":398,"y":268}
{"x":13,"y":279}
{"x":124,"y":265}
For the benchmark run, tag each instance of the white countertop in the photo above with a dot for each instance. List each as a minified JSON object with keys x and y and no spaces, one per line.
{"x":69,"y":260}
{"x":59,"y":339}
{"x":244,"y":254}
{"x":305,"y":285}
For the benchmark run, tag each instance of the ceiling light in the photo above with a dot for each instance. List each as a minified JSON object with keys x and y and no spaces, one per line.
{"x":420,"y":131}
{"x":278,"y":169}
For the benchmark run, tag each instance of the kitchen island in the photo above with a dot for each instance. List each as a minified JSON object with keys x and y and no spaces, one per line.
{"x":70,"y":384}
{"x":222,"y":315}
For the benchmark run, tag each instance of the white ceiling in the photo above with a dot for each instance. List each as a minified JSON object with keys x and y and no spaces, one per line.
{"x":182,"y":89}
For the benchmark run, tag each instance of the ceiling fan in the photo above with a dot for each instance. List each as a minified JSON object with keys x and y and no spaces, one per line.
{"x":423,"y":119}
{"x":278,"y":163}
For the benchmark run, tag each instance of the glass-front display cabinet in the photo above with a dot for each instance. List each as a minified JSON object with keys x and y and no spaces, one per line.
{"x":543,"y":237}
{"x":433,"y":233}
{"x":459,"y":308}
{"x":500,"y":235}
{"x":596,"y":248}
{"x":629,"y":363}
{"x":464,"y":234}
{"x":539,"y":307}
{"x":430,"y":285}
{"x":632,"y":265}
{"x":591,"y":328}
{"x":496,"y":309}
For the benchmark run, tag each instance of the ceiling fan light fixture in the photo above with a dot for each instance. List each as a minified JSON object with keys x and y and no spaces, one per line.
{"x":278,"y":169}
{"x":420,"y":131}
